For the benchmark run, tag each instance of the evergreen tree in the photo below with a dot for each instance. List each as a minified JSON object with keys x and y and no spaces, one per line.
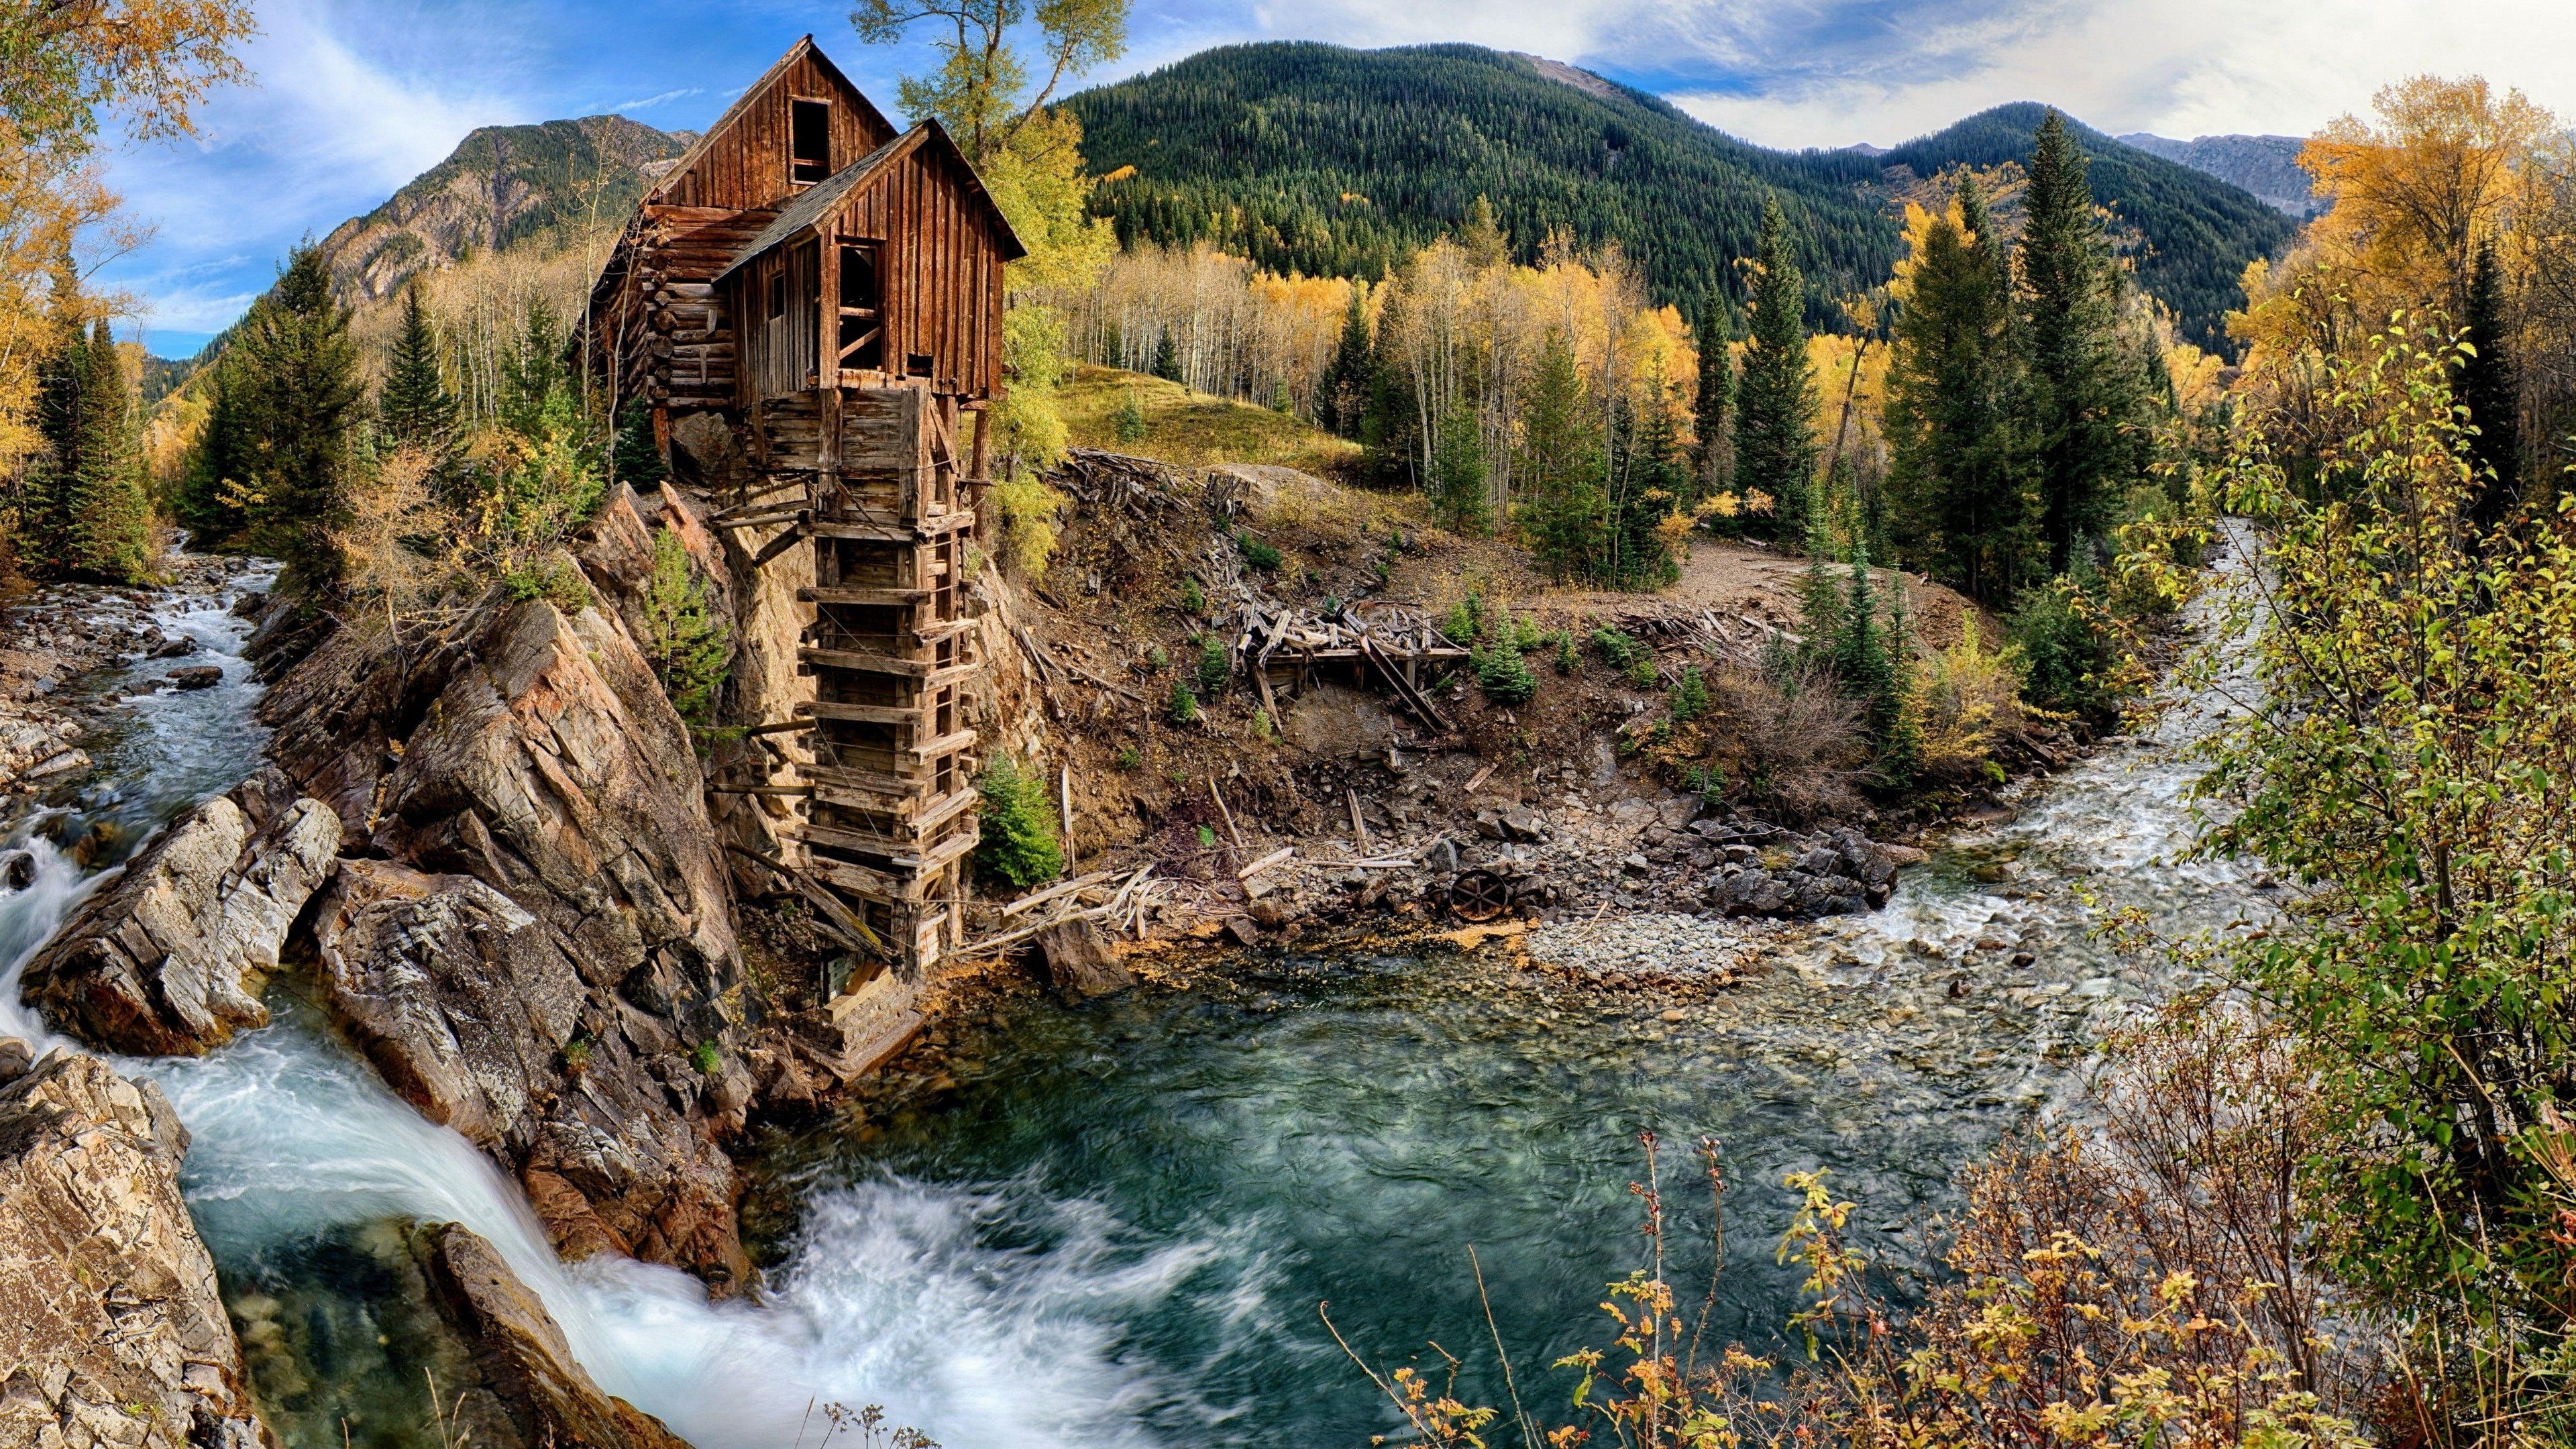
{"x":1775,"y":399}
{"x":1559,"y":471}
{"x":1482,"y":238}
{"x":2085,"y":398}
{"x":208,"y":502}
{"x":62,"y":425}
{"x":415,"y":409}
{"x":635,"y":458}
{"x":1458,"y":471}
{"x":1387,"y":420}
{"x":1711,"y":455}
{"x":300,"y":395}
{"x":1962,"y":507}
{"x":1344,"y":395}
{"x":2491,"y":389}
{"x":108,"y":535}
{"x":1646,"y":492}
{"x":1167,"y":358}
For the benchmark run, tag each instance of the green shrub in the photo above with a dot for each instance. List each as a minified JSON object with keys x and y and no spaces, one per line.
{"x":1525,"y":632}
{"x":576,"y":1055}
{"x":1688,"y":696}
{"x":1615,"y":648}
{"x":1262,"y":728}
{"x":1184,"y":706}
{"x":2066,"y":654}
{"x":707,"y":1058}
{"x":1216,"y":666}
{"x":1207,"y":837}
{"x":1567,"y":661}
{"x":1017,"y":843}
{"x":1128,"y":759}
{"x":688,"y":642}
{"x":1256,"y":553}
{"x":1708,"y":782}
{"x":1193,"y":600}
{"x":1503,"y":674}
{"x":1129,"y":421}
{"x":1641,"y":670}
{"x":1465,"y":621}
{"x":555,"y":579}
{"x":1157,"y":659}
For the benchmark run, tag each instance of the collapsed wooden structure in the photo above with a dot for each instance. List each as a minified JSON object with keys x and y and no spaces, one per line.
{"x":831,"y":291}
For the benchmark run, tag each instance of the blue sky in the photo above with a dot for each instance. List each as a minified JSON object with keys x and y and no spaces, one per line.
{"x":356,"y":97}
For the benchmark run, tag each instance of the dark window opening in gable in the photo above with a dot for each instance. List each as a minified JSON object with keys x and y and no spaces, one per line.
{"x":809,"y":140}
{"x":862,"y":332}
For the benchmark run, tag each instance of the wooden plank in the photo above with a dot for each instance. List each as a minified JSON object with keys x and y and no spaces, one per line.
{"x":1265,"y":862}
{"x":817,"y":595}
{"x":868,"y":713}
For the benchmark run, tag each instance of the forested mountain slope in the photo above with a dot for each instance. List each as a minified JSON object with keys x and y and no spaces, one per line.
{"x":1325,"y":159}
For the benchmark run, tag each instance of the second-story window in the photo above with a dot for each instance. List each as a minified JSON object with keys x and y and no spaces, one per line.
{"x":809,"y":140}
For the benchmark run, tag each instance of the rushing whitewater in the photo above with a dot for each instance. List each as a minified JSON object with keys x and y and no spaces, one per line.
{"x":1029,"y":1278}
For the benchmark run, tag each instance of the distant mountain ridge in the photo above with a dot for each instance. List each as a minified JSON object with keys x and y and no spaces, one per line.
{"x":501,"y":184}
{"x":2268,"y":166}
{"x":1322,"y":159}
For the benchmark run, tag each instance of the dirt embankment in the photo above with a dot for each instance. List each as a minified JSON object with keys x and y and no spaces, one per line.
{"x":1341,"y":793}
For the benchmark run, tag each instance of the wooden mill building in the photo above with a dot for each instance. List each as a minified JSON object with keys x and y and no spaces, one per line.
{"x":831,"y":289}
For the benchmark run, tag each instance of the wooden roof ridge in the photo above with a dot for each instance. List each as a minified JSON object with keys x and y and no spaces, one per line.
{"x":811,"y":209}
{"x":706,"y":139}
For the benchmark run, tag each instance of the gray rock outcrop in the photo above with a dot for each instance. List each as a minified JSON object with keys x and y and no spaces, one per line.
{"x":530,"y":750}
{"x":166,"y":959}
{"x":111,"y":1331}
{"x":543,"y":1397}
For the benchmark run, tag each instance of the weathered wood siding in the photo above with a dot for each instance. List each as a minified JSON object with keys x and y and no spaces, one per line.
{"x":940,"y":260}
{"x":742,"y":160}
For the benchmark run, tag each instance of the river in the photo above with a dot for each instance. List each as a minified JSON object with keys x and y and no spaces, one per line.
{"x":1114,"y":1225}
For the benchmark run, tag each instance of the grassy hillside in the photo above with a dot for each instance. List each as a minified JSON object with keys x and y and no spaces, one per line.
{"x":1192,"y":428}
{"x":1326,"y":160}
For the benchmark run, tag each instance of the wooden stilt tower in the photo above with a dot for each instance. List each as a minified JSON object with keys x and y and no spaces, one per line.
{"x":833,"y":291}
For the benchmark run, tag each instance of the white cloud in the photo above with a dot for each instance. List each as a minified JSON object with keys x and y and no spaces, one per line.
{"x":664,"y":99}
{"x":2179,"y":67}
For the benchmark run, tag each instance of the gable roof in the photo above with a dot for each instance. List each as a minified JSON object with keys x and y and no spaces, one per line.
{"x":823,"y":197}
{"x":734,"y":113}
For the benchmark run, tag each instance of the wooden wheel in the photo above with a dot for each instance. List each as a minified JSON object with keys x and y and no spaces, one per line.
{"x":1479,"y":895}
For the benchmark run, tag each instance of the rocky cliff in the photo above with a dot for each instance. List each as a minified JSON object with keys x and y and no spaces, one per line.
{"x":501,"y":184}
{"x":110,"y":1328}
{"x":2268,"y":166}
{"x":535,"y":943}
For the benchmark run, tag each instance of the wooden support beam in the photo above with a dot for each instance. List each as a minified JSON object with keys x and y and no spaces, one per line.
{"x":1219,"y":797}
{"x":778,"y":727}
{"x":787,"y":539}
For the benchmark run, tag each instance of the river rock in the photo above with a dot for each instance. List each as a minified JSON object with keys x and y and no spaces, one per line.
{"x":532,"y":750}
{"x":111,"y":1330}
{"x":545,"y":1396}
{"x":196,"y":676}
{"x":1080,"y":962}
{"x":167,"y":958}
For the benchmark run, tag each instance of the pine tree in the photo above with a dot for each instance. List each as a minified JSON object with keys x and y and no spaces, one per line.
{"x":634,"y":458}
{"x":300,"y":395}
{"x":1775,"y":399}
{"x":61,"y":418}
{"x":2084,"y":395}
{"x":1559,"y":470}
{"x":1167,"y":358}
{"x":208,"y":499}
{"x":1650,"y":488}
{"x":2490,"y":388}
{"x":1344,"y":395}
{"x":1482,"y":238}
{"x":415,"y":410}
{"x":1387,"y":419}
{"x":1712,"y":454}
{"x":1962,"y":507}
{"x":109,"y":522}
{"x":1458,"y":471}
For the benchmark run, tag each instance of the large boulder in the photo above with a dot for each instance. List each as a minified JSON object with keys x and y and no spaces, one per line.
{"x":166,"y":959}
{"x":545,"y":1398}
{"x":476,"y":1014}
{"x":111,"y":1331}
{"x":529,"y":749}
